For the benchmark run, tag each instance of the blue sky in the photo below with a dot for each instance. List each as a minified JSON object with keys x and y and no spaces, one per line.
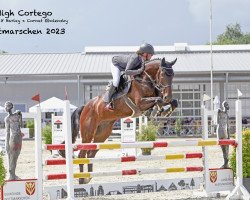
{"x":120,"y":22}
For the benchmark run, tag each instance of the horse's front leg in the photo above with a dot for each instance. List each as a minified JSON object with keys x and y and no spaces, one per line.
{"x":168,"y":108}
{"x":150,"y":105}
{"x":149,"y":102}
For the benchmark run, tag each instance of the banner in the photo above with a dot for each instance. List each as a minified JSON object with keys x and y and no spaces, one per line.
{"x":21,"y":189}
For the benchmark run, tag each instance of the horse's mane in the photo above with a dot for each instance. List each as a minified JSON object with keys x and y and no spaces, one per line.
{"x":152,"y":61}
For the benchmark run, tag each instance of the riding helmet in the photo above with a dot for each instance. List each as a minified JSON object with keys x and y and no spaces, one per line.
{"x":146,"y":48}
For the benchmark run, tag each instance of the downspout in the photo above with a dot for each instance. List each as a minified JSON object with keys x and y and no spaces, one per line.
{"x":78,"y":90}
{"x":226,"y":92}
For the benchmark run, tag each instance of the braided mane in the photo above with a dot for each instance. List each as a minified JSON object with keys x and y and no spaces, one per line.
{"x":153,"y":61}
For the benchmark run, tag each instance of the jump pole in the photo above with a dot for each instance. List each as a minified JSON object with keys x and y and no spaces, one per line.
{"x":239,"y":192}
{"x":239,"y":185}
{"x":38,"y":149}
{"x":68,"y":150}
{"x":205,"y":114}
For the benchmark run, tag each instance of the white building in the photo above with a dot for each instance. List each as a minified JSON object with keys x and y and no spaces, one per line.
{"x":86,"y":74}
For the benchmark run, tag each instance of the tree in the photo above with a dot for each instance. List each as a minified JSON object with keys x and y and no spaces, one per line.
{"x":2,"y":52}
{"x":233,"y":35}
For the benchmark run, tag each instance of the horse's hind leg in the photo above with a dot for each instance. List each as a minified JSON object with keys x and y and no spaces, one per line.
{"x":104,"y":130}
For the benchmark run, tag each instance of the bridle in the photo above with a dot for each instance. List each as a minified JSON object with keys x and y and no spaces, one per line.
{"x":159,"y":86}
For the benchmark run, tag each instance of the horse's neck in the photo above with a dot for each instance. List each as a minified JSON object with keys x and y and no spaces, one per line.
{"x":151,"y":70}
{"x":146,"y":83}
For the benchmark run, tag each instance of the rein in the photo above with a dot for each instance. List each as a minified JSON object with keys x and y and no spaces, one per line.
{"x":159,"y":86}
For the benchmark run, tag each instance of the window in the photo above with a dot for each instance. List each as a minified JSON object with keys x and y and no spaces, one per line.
{"x":189,"y":96}
{"x":231,"y":90}
{"x":48,"y":115}
{"x":93,"y":90}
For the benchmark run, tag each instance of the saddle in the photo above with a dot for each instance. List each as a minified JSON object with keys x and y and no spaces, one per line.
{"x":123,"y":88}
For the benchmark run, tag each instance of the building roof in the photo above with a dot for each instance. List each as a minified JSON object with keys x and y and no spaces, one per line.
{"x":52,"y":104}
{"x":96,"y":60}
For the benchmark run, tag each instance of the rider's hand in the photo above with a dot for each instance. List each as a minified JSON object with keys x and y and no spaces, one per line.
{"x":140,"y":70}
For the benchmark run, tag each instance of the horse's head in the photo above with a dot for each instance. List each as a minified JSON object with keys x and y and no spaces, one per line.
{"x":165,"y":78}
{"x":162,"y":73}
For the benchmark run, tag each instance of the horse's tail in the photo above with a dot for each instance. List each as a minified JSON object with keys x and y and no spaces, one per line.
{"x":75,"y":127}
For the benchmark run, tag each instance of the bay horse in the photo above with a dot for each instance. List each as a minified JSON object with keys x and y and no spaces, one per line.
{"x":151,"y":88}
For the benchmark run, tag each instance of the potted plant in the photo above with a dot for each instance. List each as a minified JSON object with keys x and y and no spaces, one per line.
{"x":245,"y":158}
{"x":148,"y":133}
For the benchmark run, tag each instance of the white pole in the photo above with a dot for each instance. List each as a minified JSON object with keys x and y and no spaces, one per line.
{"x":204,"y":113}
{"x":211,"y":55}
{"x":68,"y":149}
{"x":38,"y":148}
{"x":38,"y":152}
{"x":239,"y":191}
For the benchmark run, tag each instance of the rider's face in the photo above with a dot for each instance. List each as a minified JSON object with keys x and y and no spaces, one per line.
{"x":147,"y":56}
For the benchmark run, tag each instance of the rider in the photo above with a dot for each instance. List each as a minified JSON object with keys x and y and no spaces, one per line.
{"x":130,"y":64}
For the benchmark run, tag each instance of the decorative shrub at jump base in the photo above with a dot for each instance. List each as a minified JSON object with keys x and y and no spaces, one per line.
{"x":148,"y":133}
{"x":177,"y":126}
{"x":31,"y":125}
{"x":2,"y":171}
{"x":245,"y":154}
{"x":47,"y":134}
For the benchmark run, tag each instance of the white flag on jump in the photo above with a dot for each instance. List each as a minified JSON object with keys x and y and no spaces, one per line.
{"x":206,"y":97}
{"x":239,"y":93}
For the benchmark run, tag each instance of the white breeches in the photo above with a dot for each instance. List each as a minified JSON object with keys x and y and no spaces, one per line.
{"x":116,"y":73}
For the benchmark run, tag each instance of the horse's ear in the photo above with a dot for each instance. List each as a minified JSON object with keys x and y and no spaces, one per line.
{"x":163,"y":61}
{"x":173,"y":62}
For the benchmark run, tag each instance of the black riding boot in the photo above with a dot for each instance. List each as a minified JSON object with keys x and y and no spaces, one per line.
{"x":111,"y":91}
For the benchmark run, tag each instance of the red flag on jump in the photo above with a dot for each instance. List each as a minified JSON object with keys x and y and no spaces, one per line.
{"x":36,"y":98}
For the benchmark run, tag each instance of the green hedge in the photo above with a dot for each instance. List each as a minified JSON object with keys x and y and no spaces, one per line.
{"x":30,"y":124}
{"x":2,"y":170}
{"x":245,"y":154}
{"x":47,"y":134}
